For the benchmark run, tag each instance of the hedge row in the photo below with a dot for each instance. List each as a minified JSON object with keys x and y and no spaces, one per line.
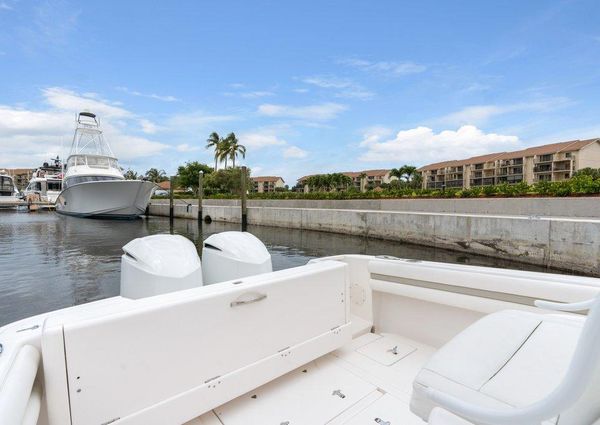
{"x":576,"y":186}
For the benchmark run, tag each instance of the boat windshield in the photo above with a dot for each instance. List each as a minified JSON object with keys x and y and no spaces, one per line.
{"x":92,"y":161}
{"x":7,"y":187}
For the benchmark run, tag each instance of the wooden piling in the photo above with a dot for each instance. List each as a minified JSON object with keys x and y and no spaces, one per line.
{"x":244,"y":210}
{"x":200,"y":194}
{"x":171,"y":211}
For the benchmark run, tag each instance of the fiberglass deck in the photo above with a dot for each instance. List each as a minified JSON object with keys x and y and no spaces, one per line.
{"x":368,"y":381}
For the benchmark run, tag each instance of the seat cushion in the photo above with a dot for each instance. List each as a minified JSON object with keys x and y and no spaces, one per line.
{"x":507,"y":359}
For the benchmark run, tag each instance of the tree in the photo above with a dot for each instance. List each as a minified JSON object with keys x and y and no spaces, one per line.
{"x":234,"y":148}
{"x":215,"y":141}
{"x":223,"y":149}
{"x":187,"y":175}
{"x":131,"y":175}
{"x":594,"y":173}
{"x":408,"y":176}
{"x":227,"y":181}
{"x":156,"y":176}
{"x":363,"y":182}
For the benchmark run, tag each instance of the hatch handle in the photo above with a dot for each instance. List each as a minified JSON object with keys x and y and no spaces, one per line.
{"x":256,"y":298}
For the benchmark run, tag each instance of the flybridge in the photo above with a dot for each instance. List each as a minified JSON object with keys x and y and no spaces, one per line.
{"x":88,"y":138}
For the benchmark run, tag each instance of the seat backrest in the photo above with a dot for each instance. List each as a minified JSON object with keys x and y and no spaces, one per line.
{"x":586,"y":410}
{"x":172,"y":357}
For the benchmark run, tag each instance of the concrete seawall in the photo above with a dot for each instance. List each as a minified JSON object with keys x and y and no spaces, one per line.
{"x":553,"y":241}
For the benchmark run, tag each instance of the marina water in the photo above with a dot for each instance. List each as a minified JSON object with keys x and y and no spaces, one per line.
{"x":49,"y":261}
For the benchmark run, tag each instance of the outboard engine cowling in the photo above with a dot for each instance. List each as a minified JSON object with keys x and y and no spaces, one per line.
{"x":233,"y":255}
{"x":159,"y":264}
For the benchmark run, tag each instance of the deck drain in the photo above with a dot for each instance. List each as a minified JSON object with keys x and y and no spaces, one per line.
{"x":382,"y":422}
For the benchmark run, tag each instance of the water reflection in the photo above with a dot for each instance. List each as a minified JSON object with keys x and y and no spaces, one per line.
{"x":49,"y":261}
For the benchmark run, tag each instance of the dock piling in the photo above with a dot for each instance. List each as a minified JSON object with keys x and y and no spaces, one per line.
{"x":244,"y":210}
{"x":200,"y":193}
{"x":171,"y":212}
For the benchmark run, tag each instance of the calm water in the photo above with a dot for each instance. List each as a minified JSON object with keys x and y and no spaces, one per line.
{"x":48,"y":261}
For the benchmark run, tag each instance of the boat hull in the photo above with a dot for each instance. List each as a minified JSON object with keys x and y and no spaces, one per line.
{"x":117,"y":199}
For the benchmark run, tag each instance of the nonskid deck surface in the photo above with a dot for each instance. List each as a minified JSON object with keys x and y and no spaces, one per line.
{"x":368,"y":381}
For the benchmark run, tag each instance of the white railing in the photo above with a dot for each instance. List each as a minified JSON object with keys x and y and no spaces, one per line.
{"x":21,"y":393}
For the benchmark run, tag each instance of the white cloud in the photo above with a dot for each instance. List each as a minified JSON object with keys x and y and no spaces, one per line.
{"x":5,"y":6}
{"x":184,"y":147}
{"x":148,"y":126}
{"x":237,"y":85}
{"x":294,"y":152}
{"x":256,"y":94}
{"x":149,"y":95}
{"x":68,"y":100}
{"x":260,"y":138}
{"x":421,"y":144}
{"x":345,"y":87}
{"x":319,"y":112}
{"x":196,"y":120}
{"x":389,"y":68}
{"x":300,"y":90}
{"x":480,"y":114}
{"x":29,"y":137}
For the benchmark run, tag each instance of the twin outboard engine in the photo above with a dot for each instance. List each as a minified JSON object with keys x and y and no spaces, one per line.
{"x":232,"y":255}
{"x":158,"y":264}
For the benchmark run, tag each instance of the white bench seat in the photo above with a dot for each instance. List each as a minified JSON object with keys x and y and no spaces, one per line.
{"x":505,"y":360}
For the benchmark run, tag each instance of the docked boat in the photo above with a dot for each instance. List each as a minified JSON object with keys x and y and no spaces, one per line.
{"x":46,"y":183}
{"x":93,"y":184}
{"x":350,"y":339}
{"x":9,"y":194}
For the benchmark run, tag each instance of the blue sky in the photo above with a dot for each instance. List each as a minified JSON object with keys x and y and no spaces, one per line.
{"x":307,"y":86}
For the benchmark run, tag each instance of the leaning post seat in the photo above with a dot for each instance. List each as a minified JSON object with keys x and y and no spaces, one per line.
{"x":516,"y":367}
{"x":170,"y":358}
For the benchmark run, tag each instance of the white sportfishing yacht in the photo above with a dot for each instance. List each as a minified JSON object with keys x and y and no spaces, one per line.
{"x":9,"y":194}
{"x":46,"y":183}
{"x":350,"y":339}
{"x":93,"y":184}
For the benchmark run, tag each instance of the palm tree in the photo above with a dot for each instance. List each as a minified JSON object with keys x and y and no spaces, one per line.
{"x":234,"y":148}
{"x":223,"y":150}
{"x":155,"y":175}
{"x":363,"y":181}
{"x":405,"y":173}
{"x":215,"y":141}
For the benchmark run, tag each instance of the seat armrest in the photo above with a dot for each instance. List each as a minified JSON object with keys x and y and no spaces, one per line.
{"x":567,"y":307}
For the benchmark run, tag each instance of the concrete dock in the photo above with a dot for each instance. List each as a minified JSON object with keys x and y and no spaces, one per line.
{"x":560,"y":233}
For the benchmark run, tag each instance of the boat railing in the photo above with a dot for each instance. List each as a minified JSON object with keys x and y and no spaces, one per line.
{"x":21,"y":392}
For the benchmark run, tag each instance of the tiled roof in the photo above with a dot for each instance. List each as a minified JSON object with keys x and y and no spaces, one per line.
{"x":166,"y":185}
{"x":266,"y":179}
{"x":572,"y":145}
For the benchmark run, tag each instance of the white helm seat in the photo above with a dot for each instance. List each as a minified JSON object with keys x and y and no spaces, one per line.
{"x":506,"y":361}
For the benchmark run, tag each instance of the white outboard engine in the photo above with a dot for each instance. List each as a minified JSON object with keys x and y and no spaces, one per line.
{"x":159,"y":264}
{"x":233,"y":255}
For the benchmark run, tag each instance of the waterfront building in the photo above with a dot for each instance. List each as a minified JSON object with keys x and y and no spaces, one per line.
{"x":361,"y":180}
{"x":263,"y":184}
{"x":21,"y":176}
{"x":553,"y":162}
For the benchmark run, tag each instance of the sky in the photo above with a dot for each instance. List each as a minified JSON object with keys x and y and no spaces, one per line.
{"x":307,"y":86}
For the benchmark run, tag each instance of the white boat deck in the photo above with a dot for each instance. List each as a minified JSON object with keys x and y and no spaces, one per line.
{"x":368,"y":381}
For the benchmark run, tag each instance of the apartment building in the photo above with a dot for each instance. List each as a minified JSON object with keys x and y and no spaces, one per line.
{"x":21,"y":176}
{"x":361,"y":180}
{"x":553,"y":162}
{"x":267,"y":183}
